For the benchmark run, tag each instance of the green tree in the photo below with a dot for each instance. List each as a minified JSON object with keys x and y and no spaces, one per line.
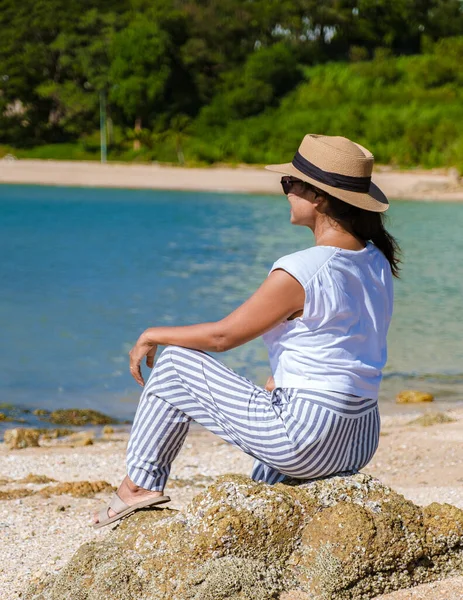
{"x":148,"y":81}
{"x":267,"y":75}
{"x":83,"y":66}
{"x":34,"y":65}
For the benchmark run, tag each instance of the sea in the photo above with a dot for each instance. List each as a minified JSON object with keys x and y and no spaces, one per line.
{"x":84,"y":271}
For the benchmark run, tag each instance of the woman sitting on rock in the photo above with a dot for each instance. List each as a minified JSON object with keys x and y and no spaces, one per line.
{"x":323,"y":312}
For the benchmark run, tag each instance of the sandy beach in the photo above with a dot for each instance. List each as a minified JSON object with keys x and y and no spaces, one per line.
{"x":435,"y":185}
{"x":41,"y":531}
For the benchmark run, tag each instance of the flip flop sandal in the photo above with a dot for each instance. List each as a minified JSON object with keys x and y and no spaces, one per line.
{"x":123,"y":510}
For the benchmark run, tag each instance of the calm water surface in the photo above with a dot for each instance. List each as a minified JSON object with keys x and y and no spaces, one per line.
{"x":84,"y":271}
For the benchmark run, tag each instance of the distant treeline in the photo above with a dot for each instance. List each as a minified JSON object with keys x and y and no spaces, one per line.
{"x":232,"y":80}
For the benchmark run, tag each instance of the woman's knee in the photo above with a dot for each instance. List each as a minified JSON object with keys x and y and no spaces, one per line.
{"x":169,"y":353}
{"x":173,"y":356}
{"x":177,"y":352}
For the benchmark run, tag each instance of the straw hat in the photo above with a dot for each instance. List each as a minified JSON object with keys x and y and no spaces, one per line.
{"x":338,"y":166}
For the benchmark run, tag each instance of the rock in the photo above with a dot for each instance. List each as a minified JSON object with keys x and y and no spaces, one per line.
{"x":78,"y":439}
{"x":38,"y":479}
{"x":85,"y":441}
{"x":53,"y":434}
{"x":15,"y":494}
{"x":78,"y":489}
{"x":40,"y":412}
{"x":79,"y":417}
{"x":413,"y":397}
{"x":5,"y":418}
{"x":21,"y":438}
{"x":107,"y":430}
{"x":429,"y":419}
{"x":347,"y":537}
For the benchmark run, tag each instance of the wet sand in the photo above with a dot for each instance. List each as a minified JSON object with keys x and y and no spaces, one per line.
{"x":435,"y":185}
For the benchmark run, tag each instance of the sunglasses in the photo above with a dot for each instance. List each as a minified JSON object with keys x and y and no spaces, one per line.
{"x":287,"y":183}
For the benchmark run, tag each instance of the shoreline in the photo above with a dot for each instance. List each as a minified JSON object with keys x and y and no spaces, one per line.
{"x":434,"y":185}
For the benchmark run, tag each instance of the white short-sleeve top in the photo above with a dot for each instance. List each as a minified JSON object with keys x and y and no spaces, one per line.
{"x":339,"y":342}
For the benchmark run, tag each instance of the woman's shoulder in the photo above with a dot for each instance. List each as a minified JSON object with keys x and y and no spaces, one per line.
{"x":313,"y":255}
{"x":305,"y":263}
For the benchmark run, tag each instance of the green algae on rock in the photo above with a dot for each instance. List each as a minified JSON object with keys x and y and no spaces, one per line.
{"x":7,"y":419}
{"x":79,"y":417}
{"x":346,"y":537}
{"x":40,"y":412}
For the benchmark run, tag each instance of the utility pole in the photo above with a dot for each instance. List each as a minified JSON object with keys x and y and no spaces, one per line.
{"x":103,"y":144}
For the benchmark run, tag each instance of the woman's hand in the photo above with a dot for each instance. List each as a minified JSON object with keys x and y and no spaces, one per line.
{"x":143,"y":347}
{"x":270,"y":385}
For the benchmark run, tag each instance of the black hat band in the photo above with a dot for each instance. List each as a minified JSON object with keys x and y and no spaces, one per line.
{"x":343,"y":182}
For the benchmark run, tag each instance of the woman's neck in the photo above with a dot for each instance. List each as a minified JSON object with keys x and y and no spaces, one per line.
{"x":328,"y":235}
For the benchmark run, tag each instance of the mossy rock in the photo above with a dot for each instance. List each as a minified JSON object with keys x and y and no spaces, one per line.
{"x":79,"y":417}
{"x":413,"y":397}
{"x":40,"y":412}
{"x":347,"y":537}
{"x":6,"y":419}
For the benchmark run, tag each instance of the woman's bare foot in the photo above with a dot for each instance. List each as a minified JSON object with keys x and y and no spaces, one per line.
{"x":130,"y":493}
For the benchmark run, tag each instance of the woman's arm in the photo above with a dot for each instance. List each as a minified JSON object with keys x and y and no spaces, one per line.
{"x":277,"y":298}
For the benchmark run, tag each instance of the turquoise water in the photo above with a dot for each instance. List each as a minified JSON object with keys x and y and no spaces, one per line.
{"x":84,"y":271}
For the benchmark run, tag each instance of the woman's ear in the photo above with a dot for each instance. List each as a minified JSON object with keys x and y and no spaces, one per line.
{"x":321,"y":201}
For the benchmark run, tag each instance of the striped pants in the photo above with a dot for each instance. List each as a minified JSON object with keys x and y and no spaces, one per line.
{"x":290,"y":432}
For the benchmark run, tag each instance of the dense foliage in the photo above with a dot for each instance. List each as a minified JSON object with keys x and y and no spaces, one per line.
{"x":235,"y":80}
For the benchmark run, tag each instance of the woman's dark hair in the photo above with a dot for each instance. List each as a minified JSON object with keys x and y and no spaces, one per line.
{"x":365,"y":225}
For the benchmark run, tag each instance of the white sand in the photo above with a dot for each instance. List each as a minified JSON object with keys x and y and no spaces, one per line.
{"x":423,"y":185}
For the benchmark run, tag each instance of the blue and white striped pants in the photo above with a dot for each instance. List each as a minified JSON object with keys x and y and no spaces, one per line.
{"x":290,"y":432}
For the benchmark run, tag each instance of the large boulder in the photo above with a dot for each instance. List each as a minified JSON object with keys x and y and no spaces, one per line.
{"x":345,"y":537}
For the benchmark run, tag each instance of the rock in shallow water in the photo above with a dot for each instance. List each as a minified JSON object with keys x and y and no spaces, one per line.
{"x":78,"y":417}
{"x":347,"y":537}
{"x":413,"y":397}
